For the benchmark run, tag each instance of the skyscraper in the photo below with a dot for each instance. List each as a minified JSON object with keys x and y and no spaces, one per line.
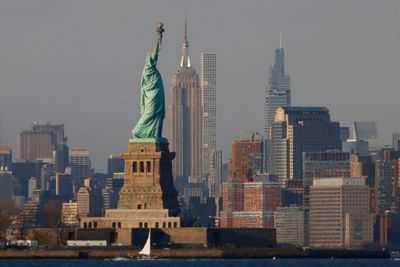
{"x":208,"y":83}
{"x":115,"y":163}
{"x":215,"y":178}
{"x":289,"y":225}
{"x":110,"y":193}
{"x":396,"y":141}
{"x":61,"y":157}
{"x":83,"y":201}
{"x":8,"y":184}
{"x":89,"y":199}
{"x":386,"y":186}
{"x":249,"y":204}
{"x":64,"y":186}
{"x":297,"y":130}
{"x":339,"y":213}
{"x":6,"y":157}
{"x":79,"y":161}
{"x":40,"y":141}
{"x":23,"y":171}
{"x":70,"y":214}
{"x":321,"y":165}
{"x":32,"y":186}
{"x":368,"y":132}
{"x":277,"y":95}
{"x":327,"y":164}
{"x":356,"y":147}
{"x":185,"y":120}
{"x":244,"y":151}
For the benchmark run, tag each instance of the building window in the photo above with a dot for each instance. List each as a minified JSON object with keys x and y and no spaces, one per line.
{"x":113,"y":225}
{"x":145,"y":225}
{"x":90,"y":225}
{"x":141,"y":166}
{"x":84,"y":225}
{"x":119,"y":224}
{"x":164,"y":225}
{"x":140,"y":225}
{"x":169,"y":224}
{"x":95,"y":224}
{"x":148,"y":166}
{"x":175,"y":224}
{"x":139,"y":206}
{"x":134,"y":167}
{"x":157,"y":224}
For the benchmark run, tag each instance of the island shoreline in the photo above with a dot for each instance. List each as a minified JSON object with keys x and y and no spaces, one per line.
{"x":181,"y":253}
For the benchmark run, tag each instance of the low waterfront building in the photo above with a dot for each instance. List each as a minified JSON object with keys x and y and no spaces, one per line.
{"x":289,"y":225}
{"x":339,"y":213}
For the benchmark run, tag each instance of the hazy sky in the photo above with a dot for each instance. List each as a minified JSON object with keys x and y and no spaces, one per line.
{"x":79,"y":62}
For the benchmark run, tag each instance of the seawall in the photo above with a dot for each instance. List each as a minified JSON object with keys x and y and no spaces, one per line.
{"x":194,"y":253}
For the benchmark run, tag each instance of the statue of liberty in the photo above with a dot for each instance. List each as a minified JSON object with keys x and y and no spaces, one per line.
{"x":152,"y":99}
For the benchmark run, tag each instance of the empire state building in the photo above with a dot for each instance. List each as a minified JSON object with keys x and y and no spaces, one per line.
{"x":185,"y":120}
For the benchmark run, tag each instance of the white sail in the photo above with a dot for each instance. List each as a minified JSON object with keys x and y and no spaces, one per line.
{"x":147,"y":247}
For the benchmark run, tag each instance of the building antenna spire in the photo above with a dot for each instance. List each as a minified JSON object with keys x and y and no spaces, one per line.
{"x":185,"y":26}
{"x":280,"y":40}
{"x":185,"y":60}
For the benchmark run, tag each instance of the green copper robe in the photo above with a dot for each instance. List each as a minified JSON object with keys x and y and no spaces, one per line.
{"x":152,"y":100}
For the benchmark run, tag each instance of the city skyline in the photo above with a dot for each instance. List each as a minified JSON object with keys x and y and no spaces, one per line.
{"x":310,"y":169}
{"x":67,"y":71}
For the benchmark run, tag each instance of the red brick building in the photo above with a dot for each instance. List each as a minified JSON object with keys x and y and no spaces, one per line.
{"x":250,"y":205}
{"x":244,"y":154}
{"x":245,"y":203}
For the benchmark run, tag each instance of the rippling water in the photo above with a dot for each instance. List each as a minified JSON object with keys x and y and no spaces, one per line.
{"x":203,"y":262}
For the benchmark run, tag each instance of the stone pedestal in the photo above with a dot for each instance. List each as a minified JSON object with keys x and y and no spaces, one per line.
{"x":148,"y":198}
{"x":148,"y":180}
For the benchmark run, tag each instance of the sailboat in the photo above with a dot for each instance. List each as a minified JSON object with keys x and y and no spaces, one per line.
{"x":146,"y":250}
{"x":145,"y":253}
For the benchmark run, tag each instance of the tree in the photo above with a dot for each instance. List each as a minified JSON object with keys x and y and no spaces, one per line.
{"x":8,"y":218}
{"x":51,"y":213}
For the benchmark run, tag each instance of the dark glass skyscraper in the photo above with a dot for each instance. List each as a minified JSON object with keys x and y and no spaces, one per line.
{"x":115,"y":164}
{"x":277,"y":95}
{"x":297,"y":130}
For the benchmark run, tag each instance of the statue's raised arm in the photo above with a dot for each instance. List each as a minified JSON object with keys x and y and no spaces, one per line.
{"x":152,"y":99}
{"x":156,"y":48}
